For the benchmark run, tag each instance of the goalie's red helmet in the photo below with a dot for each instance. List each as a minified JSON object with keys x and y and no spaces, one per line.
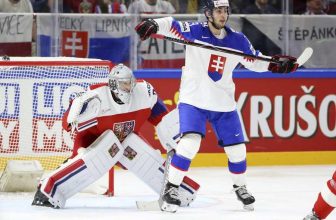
{"x":211,"y":4}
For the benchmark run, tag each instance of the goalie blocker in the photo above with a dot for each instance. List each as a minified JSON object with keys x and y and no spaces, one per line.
{"x":134,"y":154}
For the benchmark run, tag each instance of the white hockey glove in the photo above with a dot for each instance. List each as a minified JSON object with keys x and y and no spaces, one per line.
{"x":84,"y":107}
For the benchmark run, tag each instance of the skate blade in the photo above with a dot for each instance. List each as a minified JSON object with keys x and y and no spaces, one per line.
{"x":166,"y":207}
{"x":45,"y":205}
{"x":249,"y":207}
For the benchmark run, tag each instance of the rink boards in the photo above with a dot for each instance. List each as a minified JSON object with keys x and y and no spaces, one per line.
{"x":288,"y":118}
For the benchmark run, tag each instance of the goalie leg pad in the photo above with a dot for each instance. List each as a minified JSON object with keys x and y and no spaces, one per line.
{"x":82,"y":170}
{"x":142,"y":160}
{"x":148,"y":165}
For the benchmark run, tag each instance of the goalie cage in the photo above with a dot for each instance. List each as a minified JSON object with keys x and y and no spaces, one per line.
{"x":35,"y":93}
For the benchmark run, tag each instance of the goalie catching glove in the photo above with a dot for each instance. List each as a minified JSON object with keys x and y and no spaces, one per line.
{"x":283,"y":64}
{"x":146,"y":28}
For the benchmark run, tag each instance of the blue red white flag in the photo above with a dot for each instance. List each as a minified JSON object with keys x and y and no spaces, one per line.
{"x":96,"y":36}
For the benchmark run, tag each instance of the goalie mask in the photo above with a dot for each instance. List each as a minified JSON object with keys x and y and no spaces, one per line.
{"x":122,"y":82}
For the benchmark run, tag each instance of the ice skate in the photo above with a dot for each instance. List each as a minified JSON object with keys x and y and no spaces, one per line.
{"x":245,"y":197}
{"x":41,"y":200}
{"x":311,"y":216}
{"x":170,"y":201}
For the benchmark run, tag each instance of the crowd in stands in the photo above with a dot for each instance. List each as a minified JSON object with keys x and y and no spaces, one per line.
{"x":308,"y":7}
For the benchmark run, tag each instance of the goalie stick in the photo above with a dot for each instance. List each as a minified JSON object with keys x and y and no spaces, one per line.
{"x":302,"y":59}
{"x":156,"y":204}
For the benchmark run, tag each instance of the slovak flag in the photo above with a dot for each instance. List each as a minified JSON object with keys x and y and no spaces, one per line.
{"x":75,"y":43}
{"x":216,"y":67}
{"x":99,"y":36}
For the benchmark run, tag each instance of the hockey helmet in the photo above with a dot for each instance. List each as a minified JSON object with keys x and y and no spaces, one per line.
{"x":122,"y":82}
{"x":211,"y":4}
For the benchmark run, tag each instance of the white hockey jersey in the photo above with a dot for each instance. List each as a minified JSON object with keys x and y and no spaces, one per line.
{"x":122,"y":119}
{"x":207,"y":76}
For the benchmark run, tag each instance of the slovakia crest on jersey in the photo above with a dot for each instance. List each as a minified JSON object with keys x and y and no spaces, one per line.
{"x":216,"y":67}
{"x":75,"y":43}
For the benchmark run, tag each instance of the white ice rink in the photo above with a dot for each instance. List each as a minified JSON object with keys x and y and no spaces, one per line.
{"x":282,"y":193}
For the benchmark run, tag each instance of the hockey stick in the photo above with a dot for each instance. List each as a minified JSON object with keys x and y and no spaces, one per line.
{"x":156,"y":204}
{"x":304,"y":57}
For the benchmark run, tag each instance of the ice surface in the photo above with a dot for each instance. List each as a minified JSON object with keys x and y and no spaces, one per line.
{"x":282,"y":193}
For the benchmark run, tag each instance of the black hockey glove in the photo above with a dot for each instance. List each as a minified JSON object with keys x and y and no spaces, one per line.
{"x":287,"y":64}
{"x":146,"y":28}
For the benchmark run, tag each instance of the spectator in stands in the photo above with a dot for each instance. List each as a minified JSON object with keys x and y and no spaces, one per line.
{"x":41,"y":5}
{"x":111,"y":7}
{"x":16,"y":6}
{"x":260,"y":7}
{"x":277,"y":4}
{"x":186,"y":7}
{"x":176,"y":4}
{"x":151,"y":7}
{"x":331,"y":8}
{"x":258,"y":38}
{"x":299,"y":6}
{"x":237,"y":5}
{"x":127,"y":2}
{"x":315,"y":7}
{"x":80,"y":6}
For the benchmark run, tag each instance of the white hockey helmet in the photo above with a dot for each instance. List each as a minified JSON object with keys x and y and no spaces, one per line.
{"x":122,"y":82}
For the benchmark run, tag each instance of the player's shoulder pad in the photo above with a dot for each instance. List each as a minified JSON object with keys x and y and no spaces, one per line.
{"x":186,"y":26}
{"x":146,"y":87}
{"x":96,"y":86}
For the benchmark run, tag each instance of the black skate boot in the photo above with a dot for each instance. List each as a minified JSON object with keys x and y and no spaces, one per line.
{"x":244,"y":196}
{"x":41,"y":200}
{"x":312,"y":216}
{"x":170,"y":200}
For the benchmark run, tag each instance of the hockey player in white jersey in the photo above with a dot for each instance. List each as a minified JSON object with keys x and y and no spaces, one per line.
{"x":107,"y":120}
{"x":207,"y":92}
